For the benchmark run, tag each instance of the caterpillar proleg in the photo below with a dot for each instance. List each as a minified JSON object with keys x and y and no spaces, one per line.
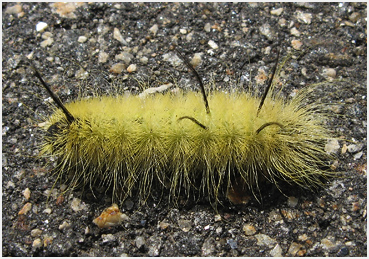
{"x":171,"y":141}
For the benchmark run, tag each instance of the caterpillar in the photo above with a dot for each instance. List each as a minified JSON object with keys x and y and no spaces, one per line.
{"x":193,"y":142}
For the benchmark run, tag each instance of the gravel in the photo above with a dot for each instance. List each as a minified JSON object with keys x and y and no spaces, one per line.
{"x":63,"y":38}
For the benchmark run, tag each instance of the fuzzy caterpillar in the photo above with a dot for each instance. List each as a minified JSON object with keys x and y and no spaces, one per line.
{"x":128,"y":143}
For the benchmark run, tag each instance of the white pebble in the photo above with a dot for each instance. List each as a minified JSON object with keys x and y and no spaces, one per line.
{"x":47,"y":210}
{"x":277,"y":12}
{"x":82,"y":39}
{"x":329,"y":72}
{"x":41,"y":26}
{"x":37,"y":243}
{"x":27,"y":193}
{"x":196,"y":60}
{"x":266,"y":30}
{"x":132,"y":68}
{"x":154,"y":29}
{"x":295,"y":32}
{"x":117,"y":68}
{"x":144,"y":60}
{"x":125,"y":56}
{"x":304,"y":17}
{"x":332,"y":146}
{"x":77,"y":205}
{"x":103,"y":57}
{"x":207,"y":27}
{"x":296,"y":44}
{"x":118,"y":36}
{"x":217,"y":218}
{"x":358,"y":155}
{"x":183,"y":31}
{"x":15,"y":9}
{"x":64,"y":225}
{"x":47,"y":42}
{"x":36,"y":232}
{"x":46,"y":35}
{"x":212,"y":44}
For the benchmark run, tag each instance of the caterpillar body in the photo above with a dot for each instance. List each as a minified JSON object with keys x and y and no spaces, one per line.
{"x":131,"y":144}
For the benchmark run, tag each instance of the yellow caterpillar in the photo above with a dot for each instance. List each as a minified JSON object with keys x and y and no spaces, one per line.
{"x":131,"y":144}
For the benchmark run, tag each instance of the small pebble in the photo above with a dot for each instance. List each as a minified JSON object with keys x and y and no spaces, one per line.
{"x":261,"y":76}
{"x":10,"y":185}
{"x":47,"y":211}
{"x":354,"y":17}
{"x":350,"y":24}
{"x":87,"y":230}
{"x":14,"y":9}
{"x":276,"y":251}
{"x":37,"y":243}
{"x":282,"y":22}
{"x":217,"y":218}
{"x":46,"y":35}
{"x":207,"y":27}
{"x":208,"y":247}
{"x":304,"y":17}
{"x":163,"y":225}
{"x":36,"y":232}
{"x":296,"y":44}
{"x":48,"y":240}
{"x":77,"y":205}
{"x":249,"y":229}
{"x":212,"y":44}
{"x":41,"y":26}
{"x":295,"y":32}
{"x":183,"y":31}
{"x":82,"y":39}
{"x":358,"y":155}
{"x":332,"y":146}
{"x":266,"y":30}
{"x":117,"y":68}
{"x":329,"y":72}
{"x":66,"y":10}
{"x":47,"y":42}
{"x":353,"y":148}
{"x":303,"y":237}
{"x":64,"y":225}
{"x":328,"y":243}
{"x":144,"y":60}
{"x":232,"y":243}
{"x":26,"y":208}
{"x":265,"y":240}
{"x":294,"y":248}
{"x":185,"y":225}
{"x":277,"y":12}
{"x":196,"y":60}
{"x":125,"y":56}
{"x":118,"y":36}
{"x":132,"y":68}
{"x":154,"y":29}
{"x":27,"y":194}
{"x":110,"y":217}
{"x":140,"y":241}
{"x":108,"y":238}
{"x":219,"y":230}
